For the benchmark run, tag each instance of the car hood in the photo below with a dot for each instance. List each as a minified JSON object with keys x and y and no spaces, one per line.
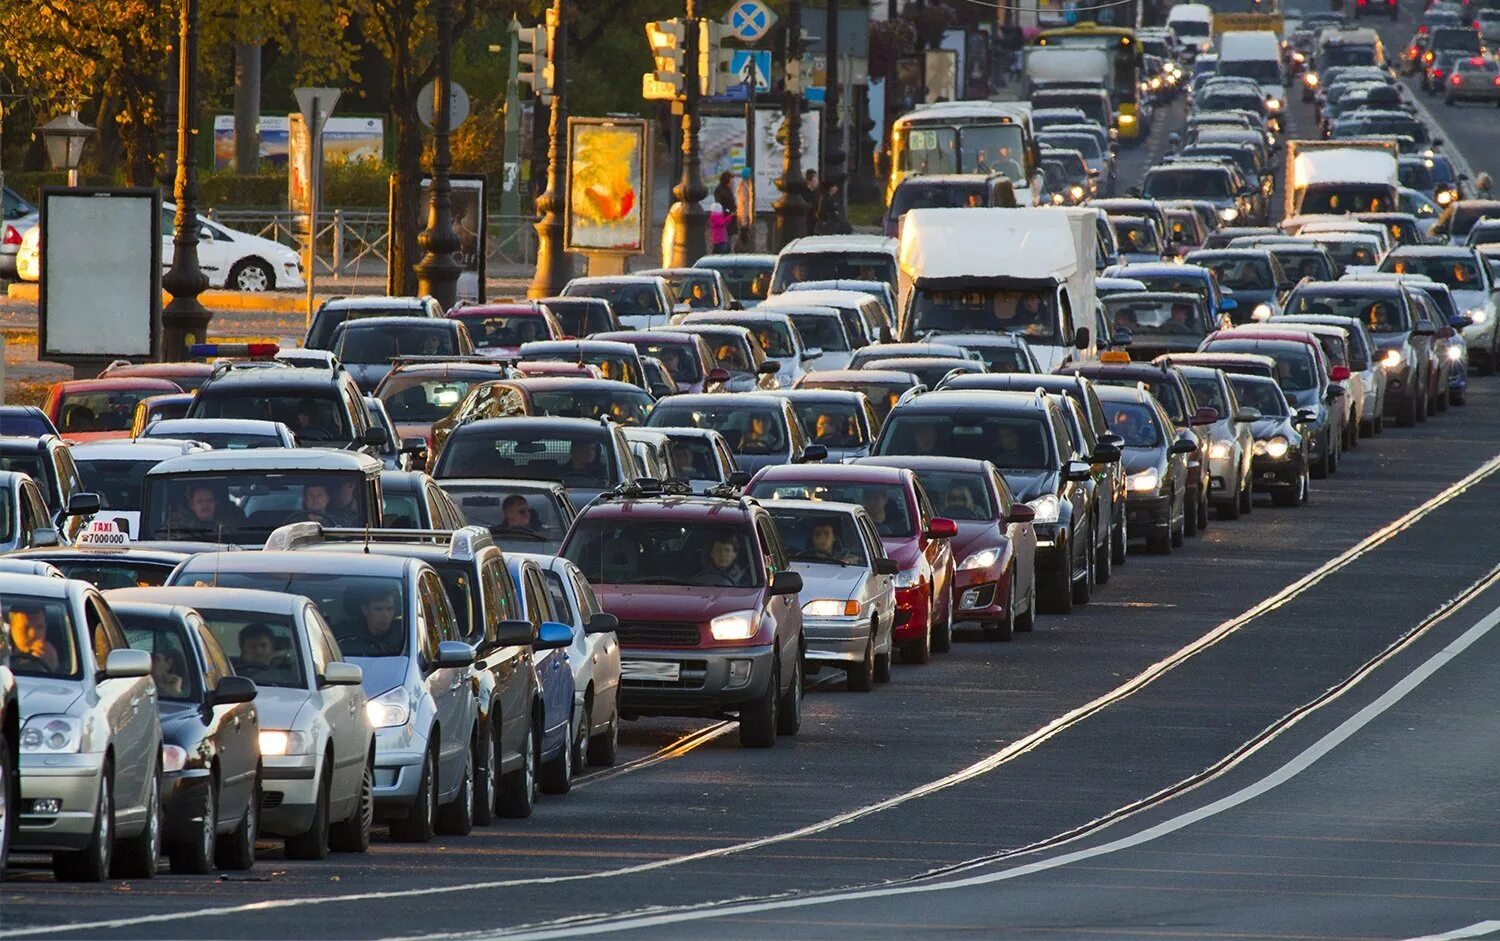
{"x":279,"y":706}
{"x":1306,"y":398}
{"x":1468,"y":299}
{"x":1389,"y":341}
{"x":381,"y":673}
{"x":826,"y":580}
{"x":262,"y":246}
{"x":695,"y":603}
{"x":1135,"y":460}
{"x":1270,"y":427}
{"x":840,"y":455}
{"x":1027,"y":485}
{"x":367,"y":375}
{"x":906,"y":550}
{"x":40,"y":696}
{"x":974,"y":535}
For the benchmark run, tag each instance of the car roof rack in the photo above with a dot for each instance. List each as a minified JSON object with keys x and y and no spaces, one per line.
{"x":463,"y":544}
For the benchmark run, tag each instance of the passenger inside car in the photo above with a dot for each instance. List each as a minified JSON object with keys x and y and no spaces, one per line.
{"x":259,"y":659}
{"x":370,"y":629}
{"x":203,"y":512}
{"x":33,"y":649}
{"x":761,"y":436}
{"x":722,"y":565}
{"x":518,"y":513}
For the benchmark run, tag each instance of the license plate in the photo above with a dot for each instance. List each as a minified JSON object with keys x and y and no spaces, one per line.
{"x":657,"y":670}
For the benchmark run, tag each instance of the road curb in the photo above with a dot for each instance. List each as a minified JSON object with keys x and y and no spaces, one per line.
{"x":214,"y":300}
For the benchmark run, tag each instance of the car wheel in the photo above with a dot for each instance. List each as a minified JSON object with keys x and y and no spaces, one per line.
{"x":1026,"y":620}
{"x":456,"y":818}
{"x":1119,"y":539}
{"x":1306,"y":487}
{"x":92,"y":863}
{"x":1202,"y":511}
{"x":1189,"y":518}
{"x":942,"y":631}
{"x":1380,"y":424}
{"x":1247,"y":494}
{"x":1455,"y":397}
{"x":758,"y":717}
{"x":138,"y":857}
{"x":1083,"y":587}
{"x":353,"y":834}
{"x":252,"y":275}
{"x":1103,"y":559}
{"x":1320,"y":470}
{"x":860,"y":677}
{"x":196,"y":856}
{"x":919,"y":651}
{"x":518,"y":788}
{"x":1179,"y":534}
{"x":1332,"y":457}
{"x":557,"y":773}
{"x":9,"y":773}
{"x":604,"y":746}
{"x":1367,"y":428}
{"x":1005,"y":628}
{"x":486,"y":773}
{"x":789,"y":710}
{"x":236,"y":851}
{"x":1057,"y":596}
{"x":314,"y":843}
{"x":1421,"y":405}
{"x":1442,"y":400}
{"x":420,"y":822}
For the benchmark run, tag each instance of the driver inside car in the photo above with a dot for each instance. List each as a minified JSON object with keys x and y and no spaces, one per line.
{"x":722,"y":563}
{"x":28,"y":634}
{"x":823,"y":541}
{"x":258,"y":657}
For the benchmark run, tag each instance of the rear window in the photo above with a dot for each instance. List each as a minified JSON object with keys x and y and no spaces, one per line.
{"x":414,"y":399}
{"x":24,"y":425}
{"x":504,"y":330}
{"x":813,"y":536}
{"x":918,"y":194}
{"x":1241,"y":274}
{"x":832,"y":424}
{"x":108,"y":572}
{"x":315,"y":416}
{"x":83,"y":412}
{"x":245,"y":507}
{"x":1015,"y":442}
{"x":832,"y":266}
{"x":622,"y":406}
{"x":574,"y":459}
{"x":886,"y":503}
{"x":747,"y":430}
{"x":1260,"y":394}
{"x":359,"y":344}
{"x":1381,"y":313}
{"x":1137,"y":424}
{"x":824,"y":331}
{"x":628,"y":300}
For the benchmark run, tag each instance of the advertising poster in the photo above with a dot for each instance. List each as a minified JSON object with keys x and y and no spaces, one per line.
{"x":942,"y":75}
{"x":910,"y":77}
{"x":770,"y":151}
{"x":299,"y":168}
{"x":469,"y":196}
{"x":344,"y":139}
{"x":721,"y":143}
{"x":607,"y":186}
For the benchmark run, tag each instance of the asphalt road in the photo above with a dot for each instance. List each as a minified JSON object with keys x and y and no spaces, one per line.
{"x":1189,"y":680}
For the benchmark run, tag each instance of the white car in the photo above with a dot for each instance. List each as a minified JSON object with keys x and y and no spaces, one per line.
{"x":233,"y":260}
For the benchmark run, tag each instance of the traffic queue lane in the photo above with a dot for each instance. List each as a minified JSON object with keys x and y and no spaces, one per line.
{"x":687,"y":826}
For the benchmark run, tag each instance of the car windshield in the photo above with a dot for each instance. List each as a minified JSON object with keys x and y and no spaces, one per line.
{"x":1380,"y":313}
{"x":1030,"y":313}
{"x":364,"y":344}
{"x":1416,"y":174}
{"x":916,"y":193}
{"x":84,"y":412}
{"x":732,"y":351}
{"x":414,"y":399}
{"x":627,"y":298}
{"x":1137,"y":424}
{"x":1296,"y":370}
{"x":623,"y":406}
{"x":882,"y":395}
{"x":747,"y":429}
{"x":1190,"y":27}
{"x":1239,"y":273}
{"x":824,"y":331}
{"x":746,"y":282}
{"x":119,"y":484}
{"x":1455,"y":39}
{"x":245,"y":506}
{"x":1263,"y":71}
{"x":1166,"y":392}
{"x":1339,"y":54}
{"x":611,"y":366}
{"x":110,"y":571}
{"x":665,"y":552}
{"x":314,"y":416}
{"x":489,"y":330}
{"x":261,"y":646}
{"x":1457,"y":272}
{"x":1171,"y":284}
{"x":507,"y":512}
{"x":1136,"y":236}
{"x":1086,"y":144}
{"x":833,"y":424}
{"x":1341,"y":198}
{"x":698,"y":290}
{"x":1207,"y":391}
{"x":681,"y":359}
{"x":818,"y":536}
{"x":1260,"y":394}
{"x":886,"y":503}
{"x":1183,"y":183}
{"x":999,"y":358}
{"x":42,"y":639}
{"x":1347,"y":252}
{"x":832,"y":266}
{"x":1008,"y":441}
{"x":577,"y":459}
{"x":171,"y":658}
{"x":23,"y":425}
{"x":367,"y":614}
{"x":958,"y":495}
{"x":775,"y":339}
{"x":1301,"y":264}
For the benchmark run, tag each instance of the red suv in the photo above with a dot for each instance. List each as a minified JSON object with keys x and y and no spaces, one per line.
{"x":710,"y":619}
{"x":915,"y":536}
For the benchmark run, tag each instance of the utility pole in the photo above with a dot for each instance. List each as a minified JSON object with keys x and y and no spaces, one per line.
{"x":791,"y":207}
{"x":553,"y":268}
{"x":438,"y":271}
{"x":185,"y":320}
{"x":832,"y":219}
{"x":690,"y":222}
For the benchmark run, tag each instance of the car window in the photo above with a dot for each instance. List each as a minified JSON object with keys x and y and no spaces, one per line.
{"x":217,"y":665}
{"x":173,"y":667}
{"x":557,"y":593}
{"x":663,"y":552}
{"x":587,"y":602}
{"x":538,"y":602}
{"x":43,"y":641}
{"x":322,"y":651}
{"x":429,"y":617}
{"x":101,"y":638}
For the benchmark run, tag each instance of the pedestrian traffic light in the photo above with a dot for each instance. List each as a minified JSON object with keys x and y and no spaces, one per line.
{"x":668,"y":39}
{"x":714,"y":77}
{"x":535,"y":61}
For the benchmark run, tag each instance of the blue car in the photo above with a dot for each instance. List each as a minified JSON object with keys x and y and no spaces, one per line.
{"x":1192,"y":279}
{"x":553,"y":676}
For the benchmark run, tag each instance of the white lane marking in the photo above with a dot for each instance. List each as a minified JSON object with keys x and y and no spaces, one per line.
{"x":694,"y":739}
{"x":1476,"y":930}
{"x":1009,"y":753}
{"x":1304,"y":760}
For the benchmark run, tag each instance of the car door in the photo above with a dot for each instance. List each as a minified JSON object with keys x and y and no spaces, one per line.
{"x":1022,"y":536}
{"x":575,"y":655}
{"x":938,"y":552}
{"x":551,"y":665}
{"x":342,"y":707}
{"x":34,"y":514}
{"x":786,"y":609}
{"x":603,"y":649}
{"x":239,"y":728}
{"x":511,"y":666}
{"x":131,"y":707}
{"x":451,"y":692}
{"x":882,"y":587}
{"x":217,"y":252}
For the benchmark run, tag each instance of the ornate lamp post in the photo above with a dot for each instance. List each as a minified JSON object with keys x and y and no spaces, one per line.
{"x":790,"y":206}
{"x":185,"y":320}
{"x":690,"y":222}
{"x":831,"y":214}
{"x":438,"y":271}
{"x":64,"y":137}
{"x":553,"y":267}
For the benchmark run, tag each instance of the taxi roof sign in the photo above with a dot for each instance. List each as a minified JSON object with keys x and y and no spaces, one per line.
{"x":1114,"y":356}
{"x":103,"y":533}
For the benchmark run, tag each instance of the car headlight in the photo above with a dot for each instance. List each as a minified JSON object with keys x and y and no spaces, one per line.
{"x":1046,"y":507}
{"x":1229,"y":213}
{"x":1127,"y":119}
{"x":1391,"y":359}
{"x":390,"y":709}
{"x":52,"y":735}
{"x":740,"y":625}
{"x":1261,"y":312}
{"x":909,"y":578}
{"x":1058,"y":199}
{"x":830,"y":608}
{"x":1310,"y":79}
{"x":1218,"y":451}
{"x":1444,"y":197}
{"x":1146,"y":481}
{"x":1076,"y":191}
{"x":1456,"y":353}
{"x":283,"y":742}
{"x":982,"y":559}
{"x":173,"y":758}
{"x":1273,"y":104}
{"x":1478,"y":314}
{"x":1275,"y":447}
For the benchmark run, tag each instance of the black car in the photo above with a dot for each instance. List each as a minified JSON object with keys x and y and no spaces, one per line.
{"x":323,"y":406}
{"x":1155,"y":460}
{"x":587,"y":457}
{"x":135,"y":565}
{"x":336,"y":310}
{"x":369,"y":348}
{"x":582,"y":316}
{"x":48,"y":461}
{"x":1280,"y":460}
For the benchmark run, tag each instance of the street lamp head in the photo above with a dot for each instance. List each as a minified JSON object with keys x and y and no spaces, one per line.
{"x":64,"y":137}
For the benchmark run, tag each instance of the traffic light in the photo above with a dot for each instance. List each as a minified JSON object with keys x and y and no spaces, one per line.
{"x":668,"y":39}
{"x":714,"y":77}
{"x":536,"y":61}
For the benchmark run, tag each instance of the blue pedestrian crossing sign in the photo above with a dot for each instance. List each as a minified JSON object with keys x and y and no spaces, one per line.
{"x":749,"y":20}
{"x":749,"y":66}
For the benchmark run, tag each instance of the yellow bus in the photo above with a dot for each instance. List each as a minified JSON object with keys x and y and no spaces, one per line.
{"x":1124,"y":84}
{"x":978,"y":137}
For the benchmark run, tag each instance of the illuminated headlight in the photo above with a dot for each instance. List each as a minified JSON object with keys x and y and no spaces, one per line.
{"x":1311,"y":79}
{"x":173,"y":758}
{"x":741,"y":625}
{"x":282,"y":742}
{"x":1058,"y":199}
{"x":1229,"y":213}
{"x":830,"y":608}
{"x":1261,"y":312}
{"x":1156,"y":83}
{"x":1146,"y":481}
{"x":1127,"y":119}
{"x":982,"y":559}
{"x":1478,"y":314}
{"x":1391,"y":359}
{"x":1218,"y":451}
{"x":1046,"y":507}
{"x":1273,"y":104}
{"x":55,"y":735}
{"x":1274,"y":448}
{"x":1076,"y":191}
{"x":390,"y":709}
{"x":1298,"y":57}
{"x":1456,"y":353}
{"x":1444,"y":197}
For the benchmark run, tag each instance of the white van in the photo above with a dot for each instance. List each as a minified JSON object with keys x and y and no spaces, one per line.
{"x":1193,"y":25}
{"x":1256,"y":55}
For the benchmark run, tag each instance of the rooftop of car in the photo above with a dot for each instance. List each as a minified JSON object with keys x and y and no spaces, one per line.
{"x":1123,"y":394}
{"x":340,"y":564}
{"x":213,"y":597}
{"x":1222,"y":356}
{"x":1170,"y":297}
{"x":1261,"y":341}
{"x":26,"y":444}
{"x":451,"y":370}
{"x":926,"y":462}
{"x":574,"y":384}
{"x":39,"y":586}
{"x":375,"y":303}
{"x":636,"y":279}
{"x":540,"y":424}
{"x":653,"y":506}
{"x":718,"y":401}
{"x":282,"y":459}
{"x":847,"y":396}
{"x":273,"y":376}
{"x":161,"y":370}
{"x":983,"y":339}
{"x":939,"y":349}
{"x":862,"y":376}
{"x":165,"y":552}
{"x":577,"y":346}
{"x":842,"y":473}
{"x":1431,"y":251}
{"x":509,"y":308}
{"x":1014,"y":382}
{"x":1147,"y":269}
{"x":134,"y":449}
{"x":840,"y":243}
{"x":760,"y":314}
{"x":1112,"y":370}
{"x":1349,"y":288}
{"x":118,"y":383}
{"x":404,"y":323}
{"x":991,"y":401}
{"x":663,"y":335}
{"x":247,"y":426}
{"x":746,"y":260}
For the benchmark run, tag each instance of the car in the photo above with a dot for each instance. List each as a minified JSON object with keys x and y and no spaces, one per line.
{"x":653,"y":453}
{"x":1441,"y":312}
{"x":1230,"y":440}
{"x":1281,"y":459}
{"x":927,"y":349}
{"x":761,"y":430}
{"x":1362,"y":360}
{"x":702,"y":458}
{"x":748,"y":275}
{"x":114,"y":564}
{"x":90,"y":757}
{"x":867,"y":307}
{"x":1216,"y":183}
{"x":494,"y":398}
{"x":710,"y":622}
{"x":849,"y":598}
{"x":49,"y":461}
{"x":1300,"y":258}
{"x":1336,"y":342}
{"x":776,"y":334}
{"x":25,"y":520}
{"x":337,"y":310}
{"x":582,"y":316}
{"x":1253,"y":274}
{"x":317,"y":745}
{"x":116,"y":471}
{"x":819,"y":328}
{"x":240,"y":497}
{"x":1155,"y":459}
{"x":736,"y":352}
{"x":686,"y":356}
{"x":395,"y":453}
{"x":186,"y":374}
{"x":658,"y":378}
{"x":1448,"y":344}
{"x":411,"y":500}
{"x":369,"y":347}
{"x":520,"y":515}
{"x":232,"y":434}
{"x":621,"y":402}
{"x":1472,"y":284}
{"x":909,"y":528}
{"x":419,"y":394}
{"x":556,"y":739}
{"x":18,"y":218}
{"x":1101,"y":457}
{"x":835,"y":257}
{"x":617,"y":361}
{"x":883,"y":387}
{"x":588,"y":457}
{"x":999,"y":352}
{"x":25,"y":421}
{"x":1024,"y":434}
{"x":697,"y":288}
{"x":931,"y":371}
{"x":640,"y":302}
{"x":1179,"y":277}
{"x":211,"y":787}
{"x":100,"y":409}
{"x":499,"y":329}
{"x":323,"y":406}
{"x":842,"y":421}
{"x":159,"y":407}
{"x":1149,"y":323}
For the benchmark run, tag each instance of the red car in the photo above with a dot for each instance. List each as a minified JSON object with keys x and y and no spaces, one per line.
{"x":101,"y":409}
{"x":498,"y":330}
{"x":913,"y":534}
{"x":187,"y":374}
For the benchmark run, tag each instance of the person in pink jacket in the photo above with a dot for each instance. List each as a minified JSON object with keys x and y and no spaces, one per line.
{"x":719,"y":219}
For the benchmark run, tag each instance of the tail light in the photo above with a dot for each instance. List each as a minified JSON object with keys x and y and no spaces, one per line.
{"x":1437,"y":75}
{"x":1497,"y":80}
{"x":10,"y":236}
{"x":1458,"y":80}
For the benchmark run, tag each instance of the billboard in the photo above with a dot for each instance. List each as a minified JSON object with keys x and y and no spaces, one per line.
{"x":608,"y":186}
{"x":344,"y":139}
{"x":770,"y":151}
{"x":470,"y":204}
{"x":721,"y":149}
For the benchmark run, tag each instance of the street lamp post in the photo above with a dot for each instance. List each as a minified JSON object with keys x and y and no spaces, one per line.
{"x":790,"y":206}
{"x":690,"y":222}
{"x":831,"y":214}
{"x":64,"y":137}
{"x":553,"y":268}
{"x":185,"y":320}
{"x":438,"y":271}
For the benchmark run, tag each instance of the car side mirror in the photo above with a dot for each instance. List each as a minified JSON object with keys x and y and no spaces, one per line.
{"x":375,"y":437}
{"x":43,"y":538}
{"x":1249,"y":415}
{"x":1123,"y":337}
{"x":769,"y":368}
{"x":786,"y":583}
{"x":1304,"y":416}
{"x":1182,"y":446}
{"x":553,"y":635}
{"x":126,"y":663}
{"x":1228,"y":303}
{"x":341,"y":673}
{"x":940,"y":527}
{"x":413,"y":445}
{"x":1111,"y":439}
{"x":1334,"y":393}
{"x":1105,"y":454}
{"x":1459,"y":321}
{"x":739,"y":479}
{"x":83,"y":504}
{"x":887,"y":566}
{"x":660,"y":390}
{"x":814,"y":454}
{"x":1020,"y":513}
{"x":452,"y":654}
{"x":1339,"y":374}
{"x":1081,"y":338}
{"x":885,"y":335}
{"x":1446,"y":332}
{"x":1205,"y":415}
{"x":514,"y":634}
{"x":811,"y":353}
{"x":718,"y":374}
{"x":602,"y":623}
{"x":231,"y":690}
{"x":1077,"y":471}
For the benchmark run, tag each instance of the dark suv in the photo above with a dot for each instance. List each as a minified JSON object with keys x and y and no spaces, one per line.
{"x":323,"y":407}
{"x":336,"y":310}
{"x":710,"y":620}
{"x":586,"y":456}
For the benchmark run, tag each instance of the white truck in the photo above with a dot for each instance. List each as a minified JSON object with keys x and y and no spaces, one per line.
{"x":1025,"y":271}
{"x":1335,"y":177}
{"x":1065,"y":67}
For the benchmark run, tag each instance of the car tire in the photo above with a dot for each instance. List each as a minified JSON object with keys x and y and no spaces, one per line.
{"x":1287,"y":497}
{"x":139,"y":856}
{"x":420,"y":823}
{"x":789,"y":711}
{"x":758,"y":717}
{"x":1320,"y":470}
{"x":919,"y":651}
{"x":252,"y":276}
{"x":1442,"y":400}
{"x":1003,"y":630}
{"x":92,"y":863}
{"x":1421,"y":407}
{"x":352,"y":835}
{"x":1026,"y":620}
{"x":1380,"y":424}
{"x":557,"y":773}
{"x":1161,"y":543}
{"x":1367,"y":428}
{"x":1179,"y":535}
{"x":1104,"y":560}
{"x":1057,"y":597}
{"x":604,"y":747}
{"x":1333,"y":458}
{"x":860,"y":677}
{"x":456,"y":818}
{"x":10,"y":773}
{"x":486,"y":773}
{"x":1247,"y":495}
{"x":236,"y":849}
{"x":1083,"y":588}
{"x":518,"y":787}
{"x":1202,"y":513}
{"x":1230,"y":509}
{"x":314,"y":843}
{"x":1120,"y":539}
{"x":1189,"y":518}
{"x":1455,"y":397}
{"x":196,"y":856}
{"x":942,"y":631}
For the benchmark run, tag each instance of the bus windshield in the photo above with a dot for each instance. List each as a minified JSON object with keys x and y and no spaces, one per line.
{"x":972,"y":148}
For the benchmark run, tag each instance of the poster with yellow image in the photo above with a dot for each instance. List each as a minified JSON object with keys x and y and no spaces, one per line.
{"x":608,"y":190}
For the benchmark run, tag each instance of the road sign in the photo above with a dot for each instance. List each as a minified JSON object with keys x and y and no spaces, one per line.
{"x":458,"y":105}
{"x":749,"y":20}
{"x":316,"y":105}
{"x":751,"y":65}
